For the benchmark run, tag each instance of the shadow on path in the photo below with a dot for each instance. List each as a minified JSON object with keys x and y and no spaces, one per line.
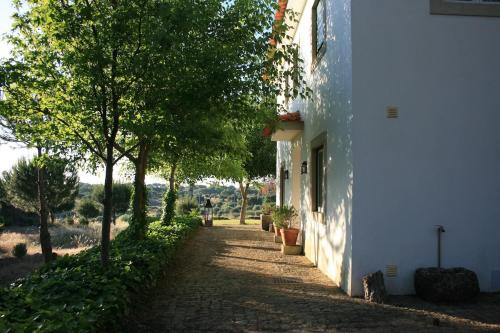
{"x":233,"y":279}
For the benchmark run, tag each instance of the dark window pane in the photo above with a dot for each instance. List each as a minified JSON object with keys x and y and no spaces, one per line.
{"x":320,"y":25}
{"x":319,"y":179}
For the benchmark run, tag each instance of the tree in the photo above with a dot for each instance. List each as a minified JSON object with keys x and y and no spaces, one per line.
{"x":27,"y":188}
{"x":88,"y":209}
{"x":84,"y":60}
{"x":261,"y":163}
{"x":121,"y":196}
{"x":61,"y":186}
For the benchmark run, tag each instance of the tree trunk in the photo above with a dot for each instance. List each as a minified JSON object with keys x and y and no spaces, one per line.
{"x":171,"y":179}
{"x":139,"y":202}
{"x":244,"y":201}
{"x":43,"y":213}
{"x":108,"y":206}
{"x":169,"y":198}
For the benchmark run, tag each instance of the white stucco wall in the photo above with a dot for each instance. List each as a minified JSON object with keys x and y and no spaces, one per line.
{"x":439,"y":163}
{"x":327,"y":243}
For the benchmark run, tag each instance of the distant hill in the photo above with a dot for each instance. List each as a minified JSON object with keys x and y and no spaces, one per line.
{"x":226,"y":200}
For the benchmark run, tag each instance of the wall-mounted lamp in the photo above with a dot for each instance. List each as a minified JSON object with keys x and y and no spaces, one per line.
{"x":303,"y":168}
{"x":286,"y":174}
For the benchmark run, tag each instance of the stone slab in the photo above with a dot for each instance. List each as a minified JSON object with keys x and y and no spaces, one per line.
{"x":277,"y":239}
{"x":292,"y":250}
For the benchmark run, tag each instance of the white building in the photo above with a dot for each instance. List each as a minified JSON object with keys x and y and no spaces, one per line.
{"x":402,"y":134}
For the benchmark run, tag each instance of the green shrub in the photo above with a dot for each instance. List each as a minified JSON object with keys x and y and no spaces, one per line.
{"x":283,"y":216}
{"x":83,"y":220}
{"x":75,"y":294}
{"x":19,"y":250}
{"x":168,"y":207}
{"x":88,"y":208}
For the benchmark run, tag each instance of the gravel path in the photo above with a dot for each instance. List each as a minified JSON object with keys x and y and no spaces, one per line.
{"x":234,"y":279}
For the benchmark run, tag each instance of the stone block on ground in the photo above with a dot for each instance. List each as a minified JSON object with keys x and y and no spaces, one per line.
{"x":293,"y":250}
{"x":265,"y":221}
{"x":277,"y":239}
{"x":374,"y":287}
{"x":446,"y":285}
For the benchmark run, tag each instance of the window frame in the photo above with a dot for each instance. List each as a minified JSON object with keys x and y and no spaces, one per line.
{"x":463,"y":8}
{"x":318,"y":144}
{"x":282,"y":185}
{"x":318,"y":52}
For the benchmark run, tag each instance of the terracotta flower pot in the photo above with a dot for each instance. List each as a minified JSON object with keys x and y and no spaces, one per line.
{"x":290,"y":236}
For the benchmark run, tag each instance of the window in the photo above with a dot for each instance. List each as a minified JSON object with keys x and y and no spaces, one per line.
{"x":318,"y":29}
{"x":282,"y":186}
{"x":319,"y":178}
{"x":465,"y":7}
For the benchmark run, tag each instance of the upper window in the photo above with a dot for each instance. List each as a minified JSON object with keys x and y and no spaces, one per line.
{"x":318,"y":28}
{"x":466,"y":7}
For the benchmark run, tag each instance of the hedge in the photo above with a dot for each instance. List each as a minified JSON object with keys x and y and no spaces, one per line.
{"x":75,"y":294}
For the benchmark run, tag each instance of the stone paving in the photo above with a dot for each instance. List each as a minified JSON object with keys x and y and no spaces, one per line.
{"x":234,"y":279}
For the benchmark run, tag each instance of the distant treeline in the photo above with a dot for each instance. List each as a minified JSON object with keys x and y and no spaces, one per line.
{"x":226,"y":200}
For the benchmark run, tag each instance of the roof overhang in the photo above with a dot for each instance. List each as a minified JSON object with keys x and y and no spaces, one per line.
{"x":288,"y":130}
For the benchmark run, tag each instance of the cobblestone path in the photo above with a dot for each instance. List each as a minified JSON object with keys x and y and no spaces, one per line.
{"x":234,"y":279}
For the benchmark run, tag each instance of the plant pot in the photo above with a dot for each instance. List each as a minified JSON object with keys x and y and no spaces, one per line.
{"x":265,"y":221}
{"x":289,"y":236}
{"x":276,"y":231}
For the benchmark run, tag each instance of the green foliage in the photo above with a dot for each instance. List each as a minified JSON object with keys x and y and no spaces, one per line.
{"x":19,"y":250}
{"x":186,"y":205}
{"x":83,"y":220}
{"x":20,"y":185}
{"x":169,"y":200}
{"x":122,"y":194}
{"x":88,"y":208}
{"x":268,"y":208}
{"x":283,"y":216}
{"x":75,"y":294}
{"x":138,"y":220}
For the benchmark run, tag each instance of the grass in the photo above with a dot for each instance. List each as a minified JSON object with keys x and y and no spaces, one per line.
{"x":66,"y":239}
{"x":236,"y":221}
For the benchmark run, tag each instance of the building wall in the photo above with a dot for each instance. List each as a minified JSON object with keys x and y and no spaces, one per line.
{"x":327,"y":241}
{"x":439,"y":162}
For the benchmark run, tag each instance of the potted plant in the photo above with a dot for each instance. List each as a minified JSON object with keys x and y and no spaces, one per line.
{"x":266,"y":217}
{"x":283,"y":218}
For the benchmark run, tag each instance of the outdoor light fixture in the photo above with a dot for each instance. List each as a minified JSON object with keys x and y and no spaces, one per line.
{"x":208,"y":214}
{"x":286,"y":174}
{"x":303,"y":168}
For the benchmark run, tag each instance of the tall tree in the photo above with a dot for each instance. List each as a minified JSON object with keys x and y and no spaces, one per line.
{"x":85,"y":59}
{"x":61,"y":186}
{"x":44,"y":187}
{"x":260,"y":163}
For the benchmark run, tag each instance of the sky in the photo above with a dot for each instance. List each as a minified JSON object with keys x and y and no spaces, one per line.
{"x":10,"y":153}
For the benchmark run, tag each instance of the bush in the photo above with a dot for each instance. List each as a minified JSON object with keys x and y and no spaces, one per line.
{"x":75,"y":294}
{"x":88,"y":208}
{"x":20,"y":250}
{"x":83,"y":220}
